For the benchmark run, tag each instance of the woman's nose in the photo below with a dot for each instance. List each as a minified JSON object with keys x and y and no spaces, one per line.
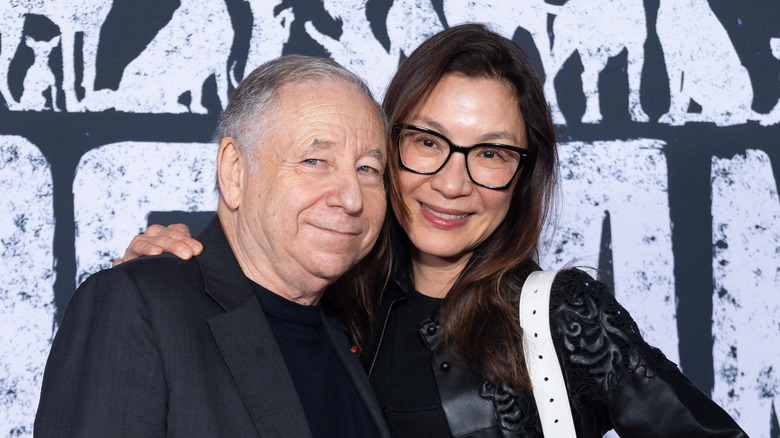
{"x":453,"y":179}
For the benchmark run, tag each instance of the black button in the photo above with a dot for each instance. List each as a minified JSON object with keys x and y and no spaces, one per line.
{"x":445,"y":366}
{"x":384,"y":411}
{"x":431,"y":329}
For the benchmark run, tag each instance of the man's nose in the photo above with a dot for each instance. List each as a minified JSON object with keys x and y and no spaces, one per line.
{"x":345,"y":192}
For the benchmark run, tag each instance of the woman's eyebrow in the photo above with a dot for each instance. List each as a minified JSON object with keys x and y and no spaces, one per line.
{"x":493,"y":135}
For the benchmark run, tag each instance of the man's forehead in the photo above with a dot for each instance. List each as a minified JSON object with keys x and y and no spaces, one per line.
{"x":295,"y":90}
{"x":335,"y":90}
{"x":329,"y":112}
{"x":319,"y":144}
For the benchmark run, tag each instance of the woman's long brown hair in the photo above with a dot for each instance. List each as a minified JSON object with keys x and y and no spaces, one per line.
{"x":480,"y":311}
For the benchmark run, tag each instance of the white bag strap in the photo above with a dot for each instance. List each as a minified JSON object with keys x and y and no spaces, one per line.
{"x":549,"y":388}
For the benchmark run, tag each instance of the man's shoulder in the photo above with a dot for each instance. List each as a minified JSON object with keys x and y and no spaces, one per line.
{"x":164,"y":265}
{"x":157,"y":278}
{"x":165,"y":271}
{"x":164,"y":291}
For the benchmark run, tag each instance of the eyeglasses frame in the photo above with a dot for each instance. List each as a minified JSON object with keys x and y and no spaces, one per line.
{"x":456,"y":148}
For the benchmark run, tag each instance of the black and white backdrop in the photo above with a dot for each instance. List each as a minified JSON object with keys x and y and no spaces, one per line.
{"x":667,"y":114}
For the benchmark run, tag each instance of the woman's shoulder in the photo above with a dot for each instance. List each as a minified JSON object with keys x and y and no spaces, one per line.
{"x":578,"y":282}
{"x":576,"y":291}
{"x":596,"y":338}
{"x":577,"y":295}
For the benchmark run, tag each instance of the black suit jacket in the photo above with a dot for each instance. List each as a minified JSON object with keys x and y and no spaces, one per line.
{"x":166,"y":347}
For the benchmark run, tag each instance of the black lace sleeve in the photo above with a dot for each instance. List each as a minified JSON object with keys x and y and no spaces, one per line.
{"x":598,"y":341}
{"x":615,"y":379}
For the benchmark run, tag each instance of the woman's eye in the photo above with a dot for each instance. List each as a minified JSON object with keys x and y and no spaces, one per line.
{"x":492,"y":154}
{"x":428,"y":143}
{"x":312,"y":161}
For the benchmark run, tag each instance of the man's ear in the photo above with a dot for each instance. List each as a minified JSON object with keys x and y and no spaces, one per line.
{"x":231,"y":167}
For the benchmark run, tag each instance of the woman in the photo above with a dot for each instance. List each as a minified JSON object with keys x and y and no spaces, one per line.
{"x":471,"y":176}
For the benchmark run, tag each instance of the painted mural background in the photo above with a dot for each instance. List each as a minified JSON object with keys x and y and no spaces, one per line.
{"x":668,"y":122}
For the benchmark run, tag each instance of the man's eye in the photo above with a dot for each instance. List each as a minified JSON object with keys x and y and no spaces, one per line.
{"x":367,"y":169}
{"x":312,"y":161}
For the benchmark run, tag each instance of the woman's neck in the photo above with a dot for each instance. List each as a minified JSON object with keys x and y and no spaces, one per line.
{"x":434,"y":276}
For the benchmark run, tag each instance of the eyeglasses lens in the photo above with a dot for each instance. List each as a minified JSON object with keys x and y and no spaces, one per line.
{"x":426,"y":153}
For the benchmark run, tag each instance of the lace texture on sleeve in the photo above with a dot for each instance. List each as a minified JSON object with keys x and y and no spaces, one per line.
{"x":597,"y":341}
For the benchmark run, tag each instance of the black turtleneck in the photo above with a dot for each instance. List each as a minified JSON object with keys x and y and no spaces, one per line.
{"x":332,"y":405}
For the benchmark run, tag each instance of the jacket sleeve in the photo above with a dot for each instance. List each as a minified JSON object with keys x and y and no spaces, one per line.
{"x":104,"y":375}
{"x":616,"y":378}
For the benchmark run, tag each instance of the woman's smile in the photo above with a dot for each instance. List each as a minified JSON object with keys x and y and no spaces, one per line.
{"x":444,"y":218}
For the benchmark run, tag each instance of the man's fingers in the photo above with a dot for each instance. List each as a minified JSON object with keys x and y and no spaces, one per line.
{"x":143,"y":245}
{"x":182,"y":228}
{"x":173,"y":242}
{"x":179,"y":233}
{"x":176,"y":245}
{"x":157,"y":239}
{"x":194,"y":245}
{"x":155,"y":230}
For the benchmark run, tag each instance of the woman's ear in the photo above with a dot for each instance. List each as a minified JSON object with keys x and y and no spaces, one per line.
{"x":231,"y":166}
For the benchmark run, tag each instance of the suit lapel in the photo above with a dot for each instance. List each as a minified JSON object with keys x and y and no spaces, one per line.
{"x":353,"y":367}
{"x":246,"y":342}
{"x":257,"y":366}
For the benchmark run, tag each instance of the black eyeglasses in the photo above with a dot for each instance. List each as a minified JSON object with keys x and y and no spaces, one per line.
{"x":489,"y":165}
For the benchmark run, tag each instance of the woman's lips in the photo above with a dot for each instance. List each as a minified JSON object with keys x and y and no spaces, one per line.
{"x":442,"y":218}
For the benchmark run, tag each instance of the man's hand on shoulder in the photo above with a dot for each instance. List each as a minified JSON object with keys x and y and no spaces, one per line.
{"x":157,"y":239}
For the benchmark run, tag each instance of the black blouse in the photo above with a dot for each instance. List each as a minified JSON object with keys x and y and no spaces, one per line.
{"x":402,"y":378}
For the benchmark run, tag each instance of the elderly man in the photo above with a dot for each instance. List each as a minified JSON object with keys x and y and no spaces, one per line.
{"x":235,"y":342}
